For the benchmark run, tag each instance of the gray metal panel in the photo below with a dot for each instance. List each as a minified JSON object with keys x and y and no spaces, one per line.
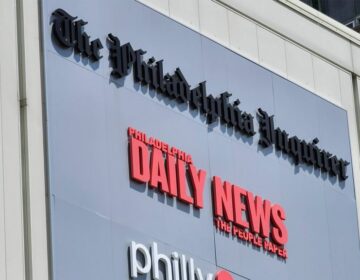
{"x":81,"y":243}
{"x":97,"y":210}
{"x":77,"y":125}
{"x":309,"y":252}
{"x":344,"y":240}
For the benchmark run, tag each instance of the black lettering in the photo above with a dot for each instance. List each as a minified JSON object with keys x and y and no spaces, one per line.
{"x":70,"y":34}
{"x":266,"y":127}
{"x":342,"y":169}
{"x":295,"y":149}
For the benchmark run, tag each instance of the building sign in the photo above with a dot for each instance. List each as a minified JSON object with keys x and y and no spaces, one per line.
{"x":231,"y":203}
{"x":145,"y":260}
{"x":171,"y":157}
{"x":69,"y":33}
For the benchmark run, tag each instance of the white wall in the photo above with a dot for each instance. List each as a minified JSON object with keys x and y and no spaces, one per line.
{"x":288,"y":38}
{"x":23,"y":236}
{"x":12,"y":262}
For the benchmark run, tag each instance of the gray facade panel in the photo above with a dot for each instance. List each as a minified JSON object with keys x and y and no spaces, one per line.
{"x":97,"y":210}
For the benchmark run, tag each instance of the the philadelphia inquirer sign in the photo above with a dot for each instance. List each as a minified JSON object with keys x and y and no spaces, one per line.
{"x":171,"y":157}
{"x":69,"y":33}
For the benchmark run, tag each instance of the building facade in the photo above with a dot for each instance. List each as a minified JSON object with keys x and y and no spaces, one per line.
{"x":178,"y":139}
